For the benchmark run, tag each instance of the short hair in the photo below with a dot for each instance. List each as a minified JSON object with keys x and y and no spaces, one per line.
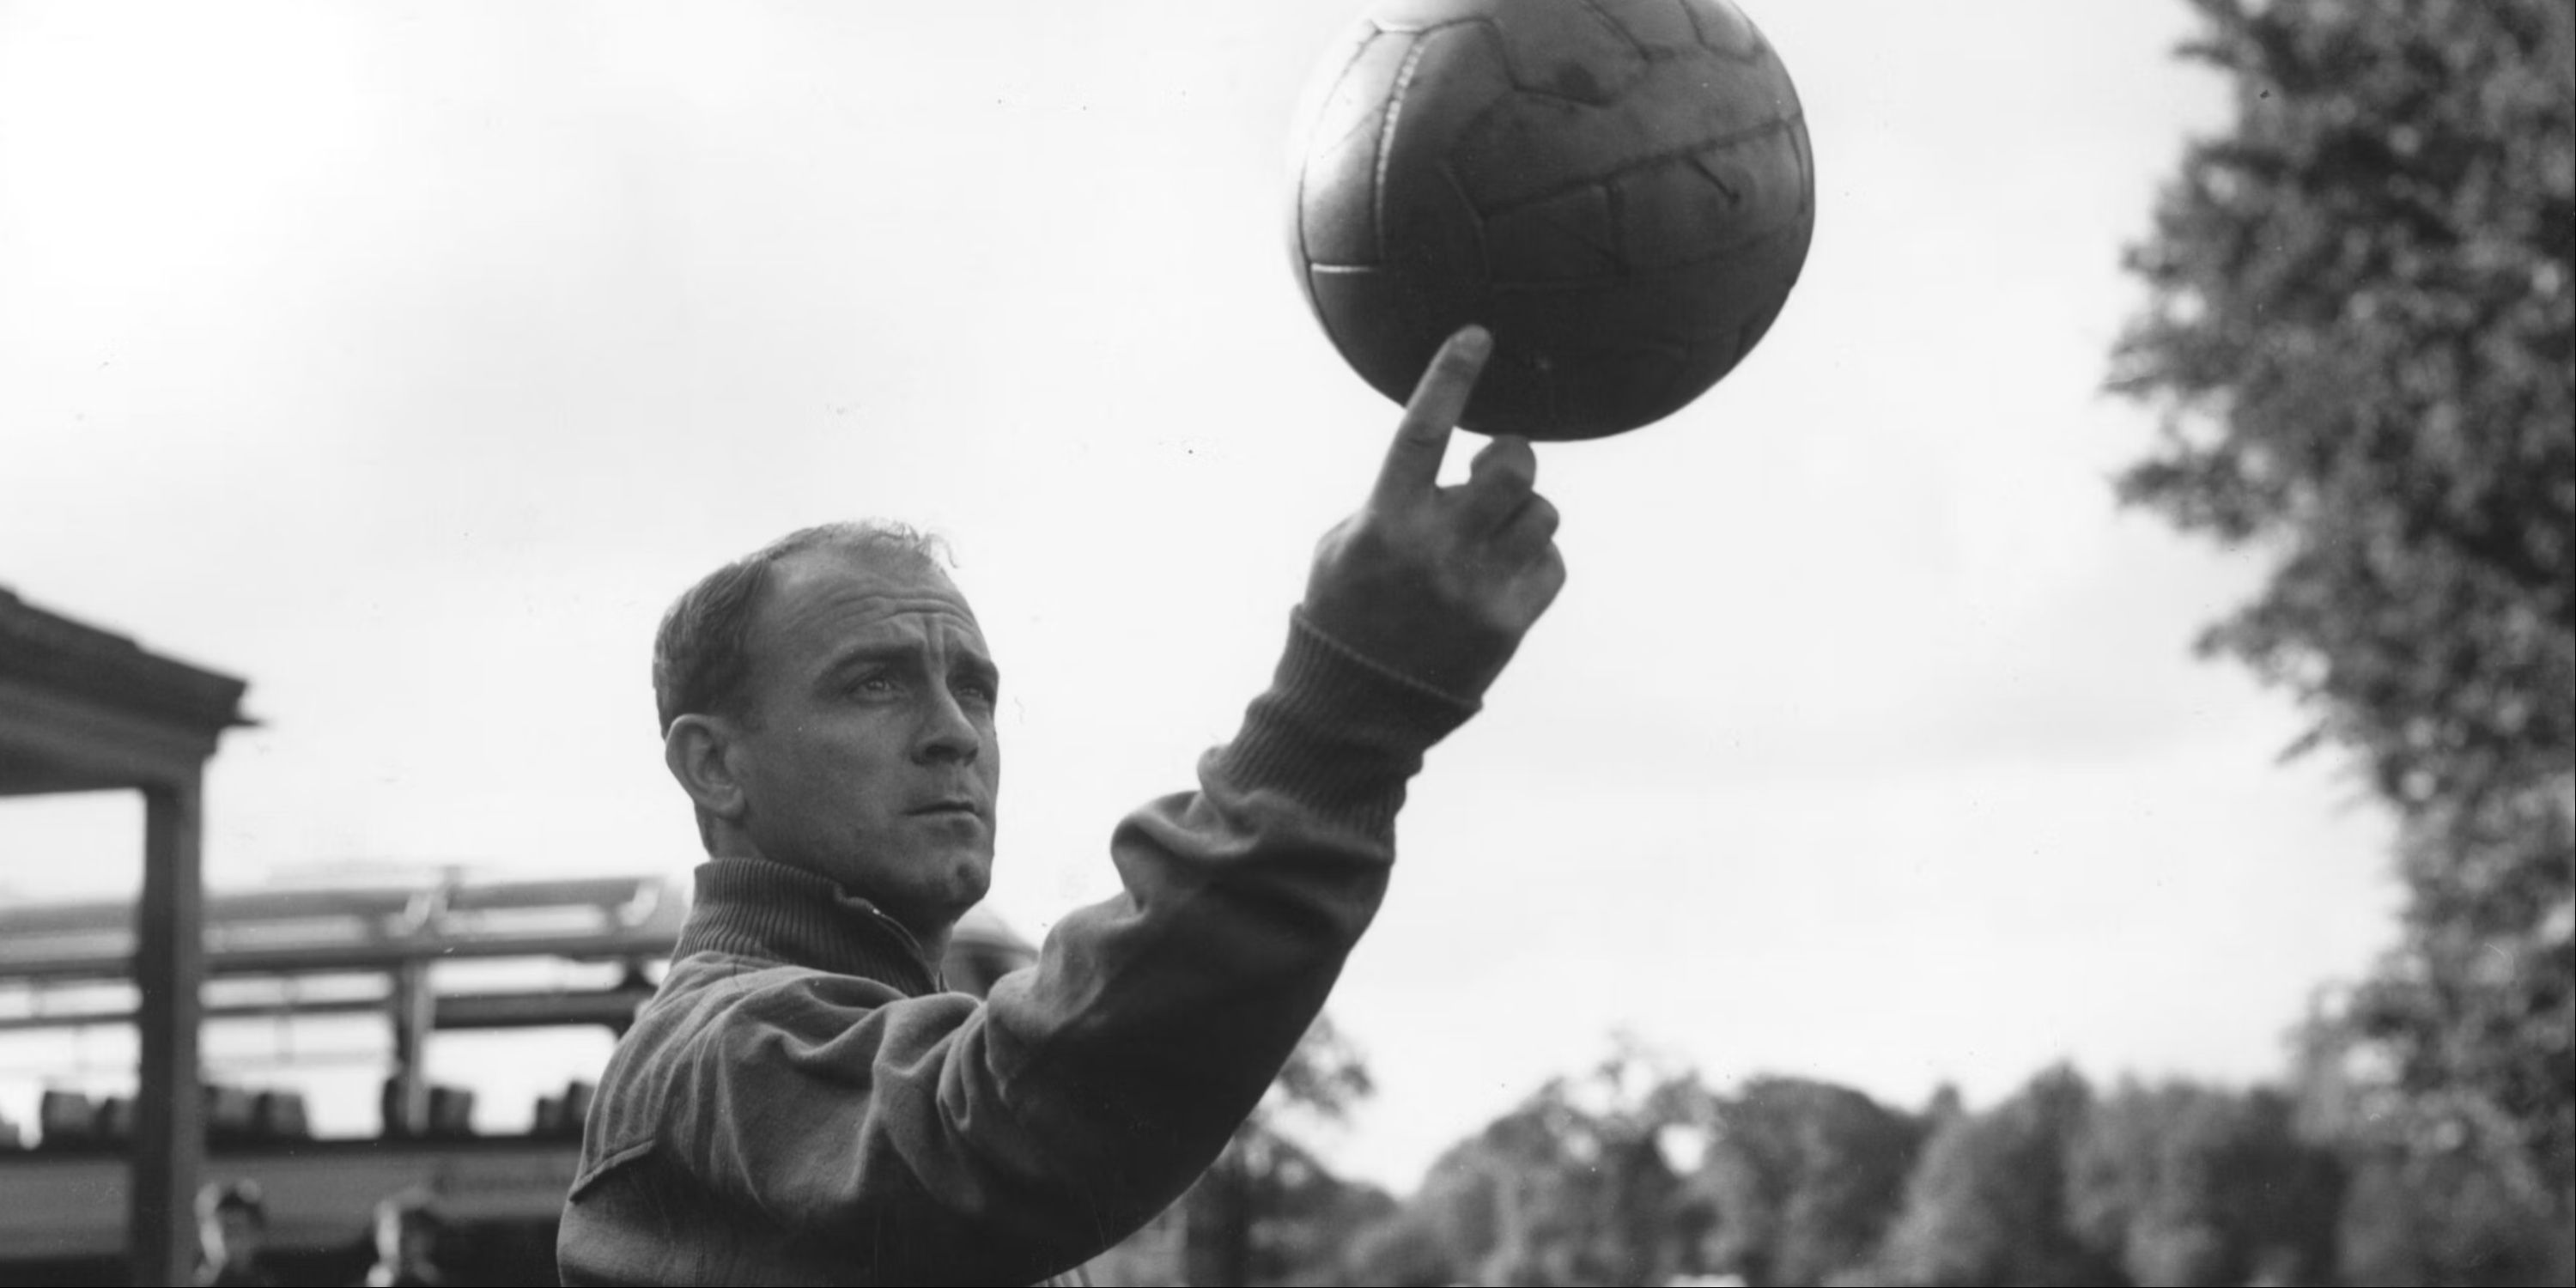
{"x":702,"y":653}
{"x":241,"y":1196}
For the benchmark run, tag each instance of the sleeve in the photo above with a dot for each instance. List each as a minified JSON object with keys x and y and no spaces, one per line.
{"x":942,"y":1141}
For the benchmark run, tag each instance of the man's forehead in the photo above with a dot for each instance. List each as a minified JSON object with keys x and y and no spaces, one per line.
{"x":837,"y":589}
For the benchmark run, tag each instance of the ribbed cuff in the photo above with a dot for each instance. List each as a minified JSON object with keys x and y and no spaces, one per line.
{"x":1337,"y":731}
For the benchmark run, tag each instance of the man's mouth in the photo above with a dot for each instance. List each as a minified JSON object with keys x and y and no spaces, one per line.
{"x":955,"y":806}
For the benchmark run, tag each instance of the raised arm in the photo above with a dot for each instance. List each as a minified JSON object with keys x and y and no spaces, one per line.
{"x":937,"y":1140}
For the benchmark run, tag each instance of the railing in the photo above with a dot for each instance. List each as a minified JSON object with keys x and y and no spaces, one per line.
{"x":339,"y":952}
{"x":311,"y":931}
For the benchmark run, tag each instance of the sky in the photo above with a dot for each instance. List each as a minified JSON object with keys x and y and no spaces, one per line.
{"x":408,"y":360}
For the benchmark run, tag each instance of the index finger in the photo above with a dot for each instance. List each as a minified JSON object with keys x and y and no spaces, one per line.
{"x":1422,"y":437}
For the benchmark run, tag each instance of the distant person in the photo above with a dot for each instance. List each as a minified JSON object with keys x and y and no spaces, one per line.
{"x":804,"y":1101}
{"x":232,"y":1235}
{"x":407,"y":1236}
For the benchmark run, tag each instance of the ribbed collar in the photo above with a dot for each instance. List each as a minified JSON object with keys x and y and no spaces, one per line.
{"x":756,"y":908}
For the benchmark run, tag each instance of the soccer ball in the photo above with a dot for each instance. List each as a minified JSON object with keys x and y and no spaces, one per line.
{"x":1620,"y":190}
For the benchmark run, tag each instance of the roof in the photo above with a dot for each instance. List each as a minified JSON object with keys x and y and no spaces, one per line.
{"x":85,"y":709}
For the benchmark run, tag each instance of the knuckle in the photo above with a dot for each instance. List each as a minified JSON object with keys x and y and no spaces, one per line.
{"x":1544,"y":516}
{"x":1363,"y":539}
{"x":1496,"y":484}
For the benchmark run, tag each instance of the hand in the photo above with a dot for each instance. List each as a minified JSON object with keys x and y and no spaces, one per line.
{"x":1440,"y":584}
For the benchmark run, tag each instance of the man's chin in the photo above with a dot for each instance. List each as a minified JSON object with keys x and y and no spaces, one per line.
{"x":971,"y":882}
{"x":950,"y":882}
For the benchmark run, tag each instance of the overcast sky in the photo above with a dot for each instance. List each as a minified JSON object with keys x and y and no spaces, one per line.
{"x":407,"y":360}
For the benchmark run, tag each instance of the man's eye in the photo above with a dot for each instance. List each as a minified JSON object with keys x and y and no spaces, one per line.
{"x":876,"y":682}
{"x":978,"y":690}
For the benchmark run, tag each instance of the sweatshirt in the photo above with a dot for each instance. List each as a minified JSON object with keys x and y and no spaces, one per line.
{"x":800,"y":1103}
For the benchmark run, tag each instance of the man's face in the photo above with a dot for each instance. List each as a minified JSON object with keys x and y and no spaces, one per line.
{"x":867,"y":751}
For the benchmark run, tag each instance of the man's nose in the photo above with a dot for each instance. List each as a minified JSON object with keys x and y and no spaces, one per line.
{"x":947,"y":734}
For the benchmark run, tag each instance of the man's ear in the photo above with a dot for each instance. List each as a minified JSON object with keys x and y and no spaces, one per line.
{"x":700,"y":752}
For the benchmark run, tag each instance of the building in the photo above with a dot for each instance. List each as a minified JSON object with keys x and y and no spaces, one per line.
{"x":82,"y":709}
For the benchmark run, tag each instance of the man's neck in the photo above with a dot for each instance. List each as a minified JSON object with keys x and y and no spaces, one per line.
{"x":807,"y":917}
{"x":930,"y":934}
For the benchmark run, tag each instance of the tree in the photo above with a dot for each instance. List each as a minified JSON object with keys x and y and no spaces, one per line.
{"x":1266,"y":1211}
{"x":2190,"y":1185}
{"x":1804,"y":1178}
{"x":2458,"y":1203}
{"x":2454,"y":1216}
{"x":1253,"y":1215}
{"x":2362,"y":332}
{"x":1988,"y":1203}
{"x":1270,"y":1213}
{"x":1576,"y":1185}
{"x":1406,"y":1250}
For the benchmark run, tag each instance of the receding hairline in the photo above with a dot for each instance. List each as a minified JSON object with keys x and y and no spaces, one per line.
{"x":871,"y":537}
{"x":739,"y":592}
{"x":884,"y":558}
{"x":893,"y":562}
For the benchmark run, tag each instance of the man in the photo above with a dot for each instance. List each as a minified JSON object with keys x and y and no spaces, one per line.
{"x":232,"y":1226}
{"x":801,"y":1103}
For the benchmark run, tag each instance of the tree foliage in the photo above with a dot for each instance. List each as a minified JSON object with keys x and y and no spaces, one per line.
{"x":2191,"y":1185}
{"x":1988,"y":1204}
{"x":1264,"y":1211}
{"x":2463,"y":1216}
{"x":1267,"y":1211}
{"x":1614,"y":1177}
{"x":1577,"y":1185}
{"x":1804,"y":1178}
{"x":2362,"y":329}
